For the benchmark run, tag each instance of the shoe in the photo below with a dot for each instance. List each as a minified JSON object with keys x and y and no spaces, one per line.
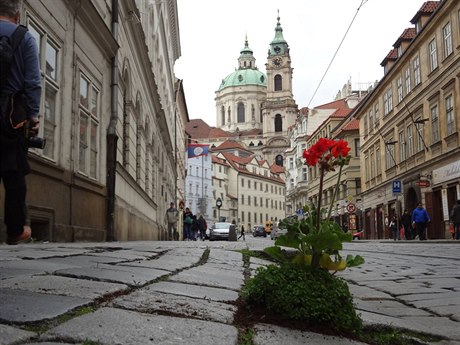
{"x":22,"y":238}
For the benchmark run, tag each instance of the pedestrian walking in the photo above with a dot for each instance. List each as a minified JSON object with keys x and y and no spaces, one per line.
{"x":242,"y":233}
{"x":406,"y":220}
{"x":172,"y":216}
{"x":455,"y":219}
{"x":20,"y":93}
{"x":420,"y":219}
{"x":394,"y":228}
{"x":202,"y":226}
{"x":188,"y":221}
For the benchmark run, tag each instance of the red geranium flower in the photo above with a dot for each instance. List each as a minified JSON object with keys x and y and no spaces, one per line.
{"x":340,"y":149}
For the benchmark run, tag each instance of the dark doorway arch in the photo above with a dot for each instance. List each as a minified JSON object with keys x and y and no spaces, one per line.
{"x":279,"y":160}
{"x":411,"y":199}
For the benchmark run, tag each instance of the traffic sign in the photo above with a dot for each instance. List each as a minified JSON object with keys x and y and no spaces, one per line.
{"x":397,"y":187}
{"x":351,"y":208}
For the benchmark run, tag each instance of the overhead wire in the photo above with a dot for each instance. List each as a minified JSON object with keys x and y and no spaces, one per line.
{"x":337,"y":50}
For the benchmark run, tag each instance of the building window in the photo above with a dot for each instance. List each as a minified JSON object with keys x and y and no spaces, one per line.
{"x":433,"y":55}
{"x":371,"y":120}
{"x":402,"y":147}
{"x":419,"y":131}
{"x":372,"y":165}
{"x":357,"y":147}
{"x":241,"y":114}
{"x":416,"y":65}
{"x":279,"y":160}
{"x":400,"y":89}
{"x":249,"y":184}
{"x":278,"y":123}
{"x":388,"y":101}
{"x":450,"y":120}
{"x":304,"y":174}
{"x":278,"y":82}
{"x":366,"y":129}
{"x":390,"y":153}
{"x":410,"y":141}
{"x":377,"y":161}
{"x":407,"y":79}
{"x":242,"y":199}
{"x":435,"y":123}
{"x":242,"y":182}
{"x":222,"y":113}
{"x":291,"y":163}
{"x":376,"y":115}
{"x":366,"y":167}
{"x":89,"y":122}
{"x":447,"y":38}
{"x":48,"y":52}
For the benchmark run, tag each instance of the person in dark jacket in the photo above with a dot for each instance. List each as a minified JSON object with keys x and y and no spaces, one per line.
{"x":455,"y":219}
{"x":406,"y":220}
{"x":202,"y":226}
{"x":420,"y":219}
{"x":23,"y":77}
{"x":188,"y":221}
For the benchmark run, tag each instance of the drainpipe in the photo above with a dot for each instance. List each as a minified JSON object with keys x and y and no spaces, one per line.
{"x":112,"y":137}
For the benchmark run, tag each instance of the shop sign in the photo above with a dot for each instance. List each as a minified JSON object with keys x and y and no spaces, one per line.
{"x":446,"y":173}
{"x":423,"y":183}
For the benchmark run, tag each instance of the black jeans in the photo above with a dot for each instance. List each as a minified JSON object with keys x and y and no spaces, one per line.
{"x":420,"y":229}
{"x":15,"y":186}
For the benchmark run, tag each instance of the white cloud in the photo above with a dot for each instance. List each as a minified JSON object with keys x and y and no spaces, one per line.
{"x":212,"y":33}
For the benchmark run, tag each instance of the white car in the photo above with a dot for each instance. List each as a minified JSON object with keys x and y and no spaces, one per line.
{"x":220,"y":231}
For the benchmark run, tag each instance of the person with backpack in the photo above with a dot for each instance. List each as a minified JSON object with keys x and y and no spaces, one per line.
{"x":20,"y":93}
{"x":188,"y":221}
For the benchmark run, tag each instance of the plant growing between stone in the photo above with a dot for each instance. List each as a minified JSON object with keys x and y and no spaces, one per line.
{"x":302,"y":288}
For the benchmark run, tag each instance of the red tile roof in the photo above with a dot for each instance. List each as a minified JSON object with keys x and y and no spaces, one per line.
{"x":392,"y":55}
{"x":407,"y":35}
{"x":427,"y":9}
{"x":276,"y":169}
{"x":340,"y":103}
{"x":352,"y":125}
{"x":341,"y":112}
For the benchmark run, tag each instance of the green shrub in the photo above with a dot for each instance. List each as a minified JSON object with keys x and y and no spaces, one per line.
{"x":299,"y":293}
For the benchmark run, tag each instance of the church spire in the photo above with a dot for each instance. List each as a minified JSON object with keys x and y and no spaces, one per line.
{"x":246,"y":59}
{"x":278,"y":46}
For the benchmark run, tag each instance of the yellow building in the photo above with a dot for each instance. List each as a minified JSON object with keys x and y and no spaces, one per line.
{"x":409,"y":124}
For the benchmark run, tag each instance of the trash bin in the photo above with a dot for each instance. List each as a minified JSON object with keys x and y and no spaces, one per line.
{"x":232,"y":233}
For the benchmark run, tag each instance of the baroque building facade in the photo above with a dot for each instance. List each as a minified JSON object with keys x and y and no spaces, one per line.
{"x":409,"y":124}
{"x":110,"y":116}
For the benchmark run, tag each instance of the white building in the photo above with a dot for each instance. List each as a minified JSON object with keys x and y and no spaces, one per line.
{"x":198,"y":186}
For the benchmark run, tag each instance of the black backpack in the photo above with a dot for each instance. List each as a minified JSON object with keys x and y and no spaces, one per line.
{"x":8,"y":46}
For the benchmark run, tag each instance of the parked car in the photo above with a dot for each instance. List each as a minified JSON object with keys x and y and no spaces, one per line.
{"x":277,"y":232}
{"x":259,"y":230}
{"x":357,"y":235}
{"x":220,"y":231}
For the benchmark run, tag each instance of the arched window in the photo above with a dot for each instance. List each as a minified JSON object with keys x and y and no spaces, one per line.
{"x":279,"y":160}
{"x":240,"y":112}
{"x":278,"y":82}
{"x":222,"y":111}
{"x":278,"y":123}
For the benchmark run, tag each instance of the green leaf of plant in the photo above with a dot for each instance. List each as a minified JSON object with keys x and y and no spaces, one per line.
{"x":353,"y":261}
{"x":325,"y":240}
{"x":276,"y":253}
{"x":288,"y":241}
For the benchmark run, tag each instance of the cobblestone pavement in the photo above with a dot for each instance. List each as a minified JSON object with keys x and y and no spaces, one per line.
{"x":184,"y":292}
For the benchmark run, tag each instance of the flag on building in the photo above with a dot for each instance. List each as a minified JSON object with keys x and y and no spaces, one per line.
{"x":196,"y":150}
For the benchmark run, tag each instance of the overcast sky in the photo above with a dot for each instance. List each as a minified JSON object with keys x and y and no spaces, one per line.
{"x":212,"y":34}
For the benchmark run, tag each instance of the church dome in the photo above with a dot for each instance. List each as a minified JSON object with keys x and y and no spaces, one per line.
{"x":243,"y":77}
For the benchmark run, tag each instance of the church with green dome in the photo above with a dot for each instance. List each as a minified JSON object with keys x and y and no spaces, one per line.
{"x":259,"y":107}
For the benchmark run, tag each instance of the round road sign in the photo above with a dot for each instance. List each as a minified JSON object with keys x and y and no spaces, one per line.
{"x":351,"y":208}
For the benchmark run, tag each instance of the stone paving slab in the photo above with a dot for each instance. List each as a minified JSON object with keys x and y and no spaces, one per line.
{"x":388,"y":307}
{"x":88,"y":260}
{"x":226,"y":256}
{"x":195,"y":291}
{"x":126,"y":255}
{"x":13,"y":335}
{"x":50,"y":284}
{"x":16,"y":268}
{"x":439,"y":326}
{"x":147,"y":301}
{"x":209,"y":276}
{"x":165,"y":262}
{"x":132,"y":276}
{"x":20,"y":307}
{"x":111,"y":326}
{"x":364,"y":292}
{"x":274,"y":335}
{"x":451,"y":311}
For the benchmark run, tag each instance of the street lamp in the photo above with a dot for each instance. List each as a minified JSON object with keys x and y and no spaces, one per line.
{"x":218,"y":205}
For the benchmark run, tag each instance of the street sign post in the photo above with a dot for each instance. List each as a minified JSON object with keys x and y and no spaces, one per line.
{"x":397,"y":187}
{"x":351,"y":208}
